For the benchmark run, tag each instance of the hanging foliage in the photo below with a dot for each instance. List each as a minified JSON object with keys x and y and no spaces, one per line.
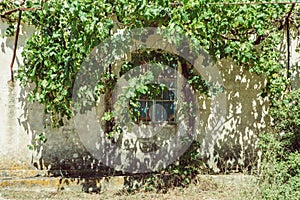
{"x":66,"y":31}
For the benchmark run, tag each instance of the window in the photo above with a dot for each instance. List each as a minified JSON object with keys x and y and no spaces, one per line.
{"x":159,"y":105}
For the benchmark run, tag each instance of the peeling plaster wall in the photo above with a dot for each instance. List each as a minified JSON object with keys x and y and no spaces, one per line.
{"x":233,"y":146}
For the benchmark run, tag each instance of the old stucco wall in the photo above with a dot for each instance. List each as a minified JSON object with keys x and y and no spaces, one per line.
{"x":22,"y":122}
{"x":234,"y":147}
{"x":13,"y":138}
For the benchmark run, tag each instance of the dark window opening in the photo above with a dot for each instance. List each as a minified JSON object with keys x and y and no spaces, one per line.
{"x":158,"y":104}
{"x":158,"y":109}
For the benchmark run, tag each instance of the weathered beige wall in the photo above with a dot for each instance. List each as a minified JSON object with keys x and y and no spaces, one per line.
{"x":295,"y":63}
{"x":234,"y":147}
{"x":13,"y":138}
{"x":246,"y":116}
{"x":21,"y":121}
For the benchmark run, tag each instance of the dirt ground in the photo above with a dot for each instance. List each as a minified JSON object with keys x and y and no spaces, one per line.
{"x":205,"y":189}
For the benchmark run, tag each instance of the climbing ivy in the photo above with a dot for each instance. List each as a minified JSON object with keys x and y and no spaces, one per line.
{"x":66,"y":31}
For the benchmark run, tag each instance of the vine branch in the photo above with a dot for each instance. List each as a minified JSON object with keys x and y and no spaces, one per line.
{"x":15,"y":47}
{"x":20,"y":9}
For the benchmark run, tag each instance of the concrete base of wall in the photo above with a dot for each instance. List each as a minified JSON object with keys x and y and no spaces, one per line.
{"x":104,"y":184}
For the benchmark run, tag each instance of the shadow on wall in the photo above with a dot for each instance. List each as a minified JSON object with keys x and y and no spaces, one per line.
{"x":7,"y":44}
{"x":58,"y":150}
{"x":71,"y":151}
{"x":294,"y":64}
{"x":235,"y":147}
{"x":12,"y":138}
{"x":68,"y":154}
{"x":24,"y":125}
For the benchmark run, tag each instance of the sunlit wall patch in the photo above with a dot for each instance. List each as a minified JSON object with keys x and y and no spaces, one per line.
{"x":161,"y":138}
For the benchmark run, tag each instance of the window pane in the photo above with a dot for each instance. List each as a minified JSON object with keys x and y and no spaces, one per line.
{"x":149,"y":108}
{"x":170,"y":110}
{"x":172,"y":95}
{"x":143,"y":109}
{"x":165,"y":95}
{"x":169,"y":95}
{"x":160,"y":112}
